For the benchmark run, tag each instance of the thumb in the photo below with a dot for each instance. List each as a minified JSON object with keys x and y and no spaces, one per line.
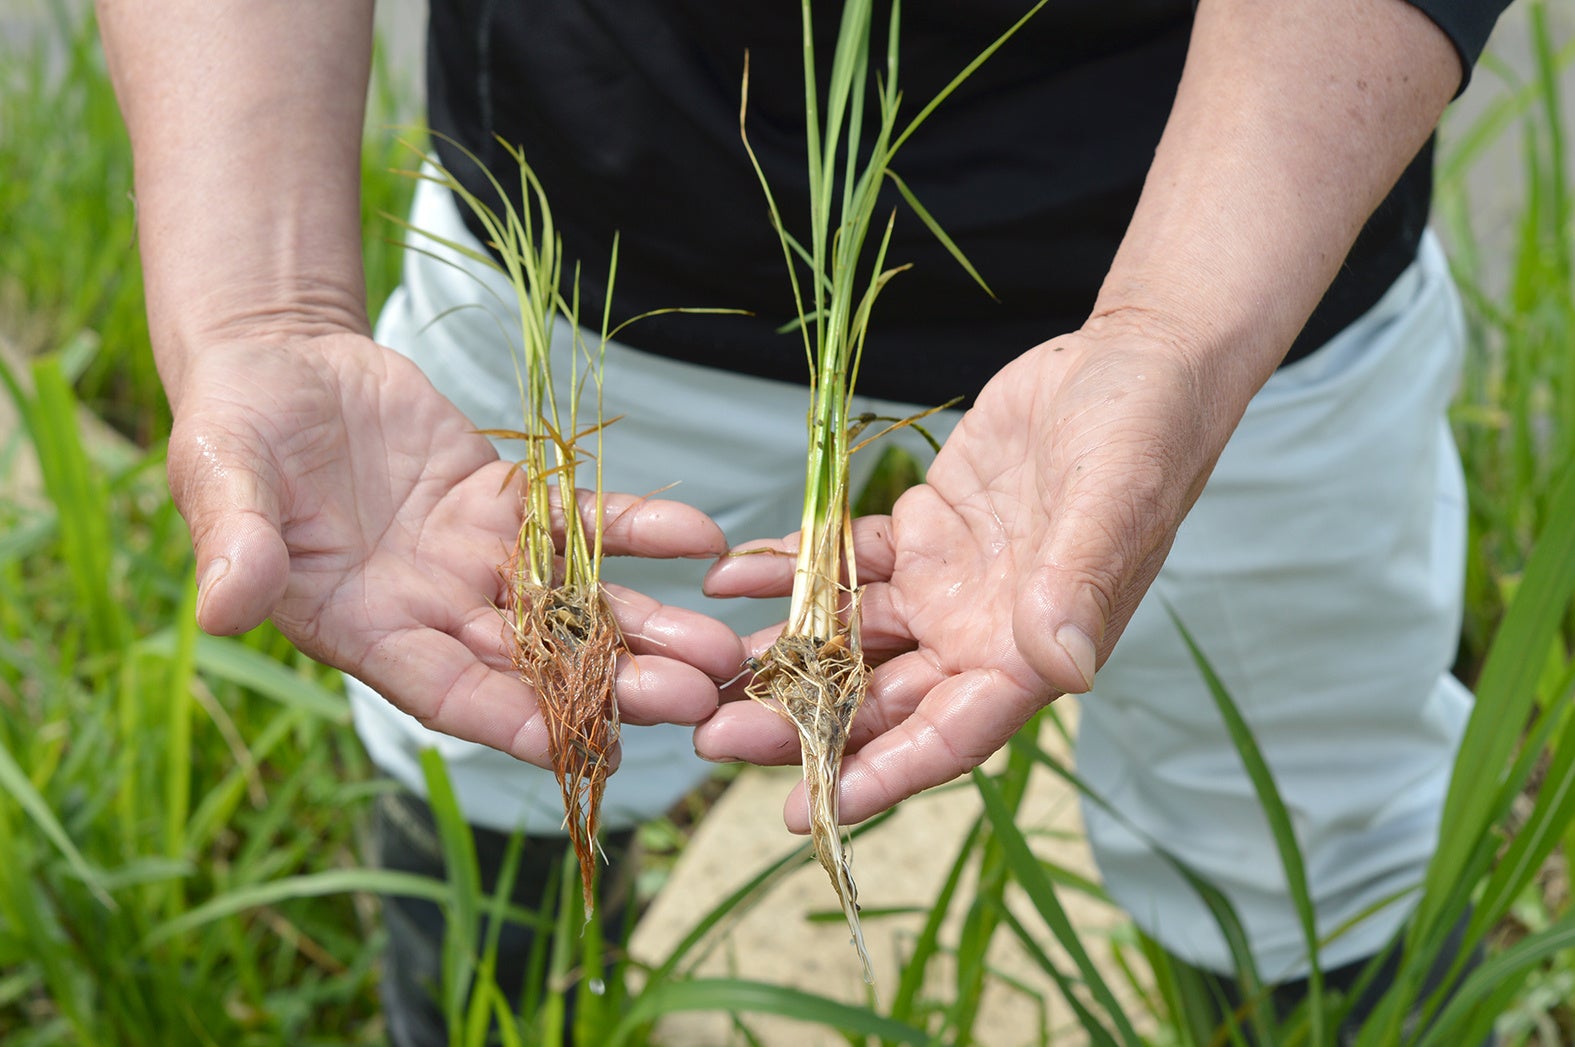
{"x":1071,"y":608}
{"x":228,"y":491}
{"x":1058,"y":624}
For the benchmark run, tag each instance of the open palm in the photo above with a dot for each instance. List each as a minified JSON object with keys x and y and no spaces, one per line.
{"x":329,"y":487}
{"x":997,"y":584}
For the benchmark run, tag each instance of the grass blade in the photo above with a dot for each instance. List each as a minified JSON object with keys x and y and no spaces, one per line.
{"x":1505,"y":969}
{"x":308,"y":885}
{"x":740,"y":996}
{"x":936,"y":231}
{"x":1505,"y":692}
{"x":1220,"y":908}
{"x":75,"y":487}
{"x":1279,"y":819}
{"x":230,"y":659}
{"x":1030,"y":874}
{"x":15,"y":783}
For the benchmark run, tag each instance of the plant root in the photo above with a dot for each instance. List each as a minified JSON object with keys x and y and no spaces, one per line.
{"x":566,"y":646}
{"x":817,"y":685}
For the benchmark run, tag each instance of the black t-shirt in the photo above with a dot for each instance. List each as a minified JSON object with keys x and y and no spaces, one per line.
{"x":628,"y":112}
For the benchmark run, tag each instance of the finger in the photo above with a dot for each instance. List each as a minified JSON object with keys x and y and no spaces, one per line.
{"x":229,"y":496}
{"x":757,"y":643}
{"x":735,"y":688}
{"x":652,"y":627}
{"x":485,"y":633}
{"x":652,"y":527}
{"x":955,"y":728}
{"x":765,"y":568}
{"x":1071,"y":607}
{"x":742,"y":729}
{"x":896,"y":689}
{"x":883,"y":632}
{"x":747,"y":731}
{"x":437,"y":679}
{"x":1058,"y":622}
{"x":652,"y":690}
{"x":754,"y":733}
{"x":873,"y":547}
{"x":758,"y":568}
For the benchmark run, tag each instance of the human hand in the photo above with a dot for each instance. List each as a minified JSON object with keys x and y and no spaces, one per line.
{"x":330,"y":487}
{"x":1003,"y":580}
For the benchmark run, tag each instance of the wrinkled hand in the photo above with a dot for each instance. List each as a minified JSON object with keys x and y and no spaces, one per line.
{"x":330,"y":487}
{"x":999,"y":583}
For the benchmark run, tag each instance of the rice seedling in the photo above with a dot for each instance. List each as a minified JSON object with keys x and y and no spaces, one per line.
{"x":562,"y":636}
{"x":814,"y":674}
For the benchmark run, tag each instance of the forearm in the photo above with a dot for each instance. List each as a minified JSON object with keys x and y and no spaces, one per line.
{"x":1292,"y":121}
{"x":245,"y":120}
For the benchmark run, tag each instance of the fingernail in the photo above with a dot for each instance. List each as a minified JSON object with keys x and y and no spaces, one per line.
{"x":216,"y":570}
{"x":1080,"y":649}
{"x":716,"y":759}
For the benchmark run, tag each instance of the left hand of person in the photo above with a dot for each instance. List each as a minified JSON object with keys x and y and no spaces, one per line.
{"x":999,"y":583}
{"x":1003,"y":580}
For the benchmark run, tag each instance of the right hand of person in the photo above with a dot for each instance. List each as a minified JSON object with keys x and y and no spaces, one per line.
{"x":328,"y":486}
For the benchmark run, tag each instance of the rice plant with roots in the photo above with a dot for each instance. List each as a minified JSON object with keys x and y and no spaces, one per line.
{"x":814,"y":674}
{"x":561,"y":633}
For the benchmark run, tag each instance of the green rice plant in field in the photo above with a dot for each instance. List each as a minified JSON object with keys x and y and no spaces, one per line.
{"x":1515,"y":415}
{"x":146,"y":769}
{"x":68,"y":255}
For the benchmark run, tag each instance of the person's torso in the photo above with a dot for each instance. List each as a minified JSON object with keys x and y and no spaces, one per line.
{"x":628,"y":111}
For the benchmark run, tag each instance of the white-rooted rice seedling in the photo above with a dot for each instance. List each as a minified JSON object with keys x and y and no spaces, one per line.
{"x":814,"y":674}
